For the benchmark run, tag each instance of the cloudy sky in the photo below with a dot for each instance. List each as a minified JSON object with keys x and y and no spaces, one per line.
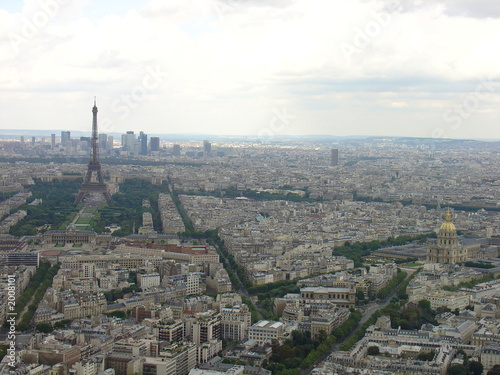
{"x":271,"y":67}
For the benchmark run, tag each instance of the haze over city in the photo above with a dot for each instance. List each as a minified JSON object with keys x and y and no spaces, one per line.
{"x":391,"y":68}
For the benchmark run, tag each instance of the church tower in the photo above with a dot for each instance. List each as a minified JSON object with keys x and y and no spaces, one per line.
{"x":447,"y":248}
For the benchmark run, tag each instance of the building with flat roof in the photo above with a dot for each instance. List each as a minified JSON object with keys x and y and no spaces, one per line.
{"x":19,"y":259}
{"x":266,"y":330}
{"x":344,"y":297}
{"x":235,"y":321}
{"x":70,"y":236}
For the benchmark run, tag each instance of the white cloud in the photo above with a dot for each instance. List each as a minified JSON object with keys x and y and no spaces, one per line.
{"x":229,"y":64}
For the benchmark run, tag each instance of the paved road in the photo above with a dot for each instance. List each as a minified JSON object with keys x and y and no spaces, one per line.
{"x":367,"y":312}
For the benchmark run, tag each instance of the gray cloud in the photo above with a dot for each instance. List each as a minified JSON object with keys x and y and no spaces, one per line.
{"x":455,"y":8}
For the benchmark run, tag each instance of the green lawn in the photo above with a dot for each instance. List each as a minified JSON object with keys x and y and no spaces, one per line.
{"x":83,"y":220}
{"x":412,"y":265}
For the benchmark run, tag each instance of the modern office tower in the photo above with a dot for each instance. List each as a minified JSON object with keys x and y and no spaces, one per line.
{"x":207,"y":148}
{"x":154,"y":144}
{"x":22,"y":140}
{"x":65,"y":137}
{"x":127,"y":138}
{"x":176,"y":150}
{"x":97,"y":184}
{"x":335,"y":157}
{"x":85,"y":143}
{"x":143,"y":143}
{"x":33,"y":141}
{"x":130,"y":142}
{"x":103,"y":141}
{"x":109,"y":143}
{"x":68,"y":146}
{"x":52,"y":141}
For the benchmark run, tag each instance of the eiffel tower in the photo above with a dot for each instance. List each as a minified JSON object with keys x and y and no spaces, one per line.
{"x":93,"y":185}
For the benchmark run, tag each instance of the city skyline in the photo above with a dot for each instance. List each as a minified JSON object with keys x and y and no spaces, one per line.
{"x":388,"y":68}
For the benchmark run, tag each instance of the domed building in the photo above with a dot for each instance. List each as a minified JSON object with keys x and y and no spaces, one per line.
{"x":447,"y":248}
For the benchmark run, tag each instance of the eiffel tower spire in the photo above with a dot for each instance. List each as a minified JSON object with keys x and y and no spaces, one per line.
{"x":97,"y":184}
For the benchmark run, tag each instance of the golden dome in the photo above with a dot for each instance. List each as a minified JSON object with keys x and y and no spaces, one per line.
{"x":448,"y":226}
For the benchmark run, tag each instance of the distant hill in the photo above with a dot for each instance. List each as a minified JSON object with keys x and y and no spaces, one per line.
{"x":17,"y":133}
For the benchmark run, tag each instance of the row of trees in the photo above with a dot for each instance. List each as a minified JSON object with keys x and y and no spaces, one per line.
{"x":4,"y":196}
{"x":57,"y":205}
{"x":125,"y":209}
{"x":470,"y":284}
{"x":391,"y":285}
{"x":235,"y":271}
{"x":479,"y":265}
{"x":458,"y":207}
{"x":270,"y":287}
{"x":108,"y":160}
{"x":34,"y":293}
{"x":401,"y":289}
{"x":232,"y":192}
{"x":48,"y":327}
{"x":412,"y":316}
{"x":301,"y":351}
{"x":357,"y":250}
{"x":251,"y":307}
{"x":113,"y":295}
{"x":399,"y":284}
{"x":36,"y":280}
{"x":188,"y":224}
{"x":468,"y":367}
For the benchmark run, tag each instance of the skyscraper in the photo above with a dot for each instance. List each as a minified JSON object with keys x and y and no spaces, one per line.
{"x":154,"y":144}
{"x":207,"y":148}
{"x":335,"y":157}
{"x":143,"y":143}
{"x":52,"y":141}
{"x":65,"y":137}
{"x":130,"y":143}
{"x":110,"y":143}
{"x":103,"y":141}
{"x":176,"y":150}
